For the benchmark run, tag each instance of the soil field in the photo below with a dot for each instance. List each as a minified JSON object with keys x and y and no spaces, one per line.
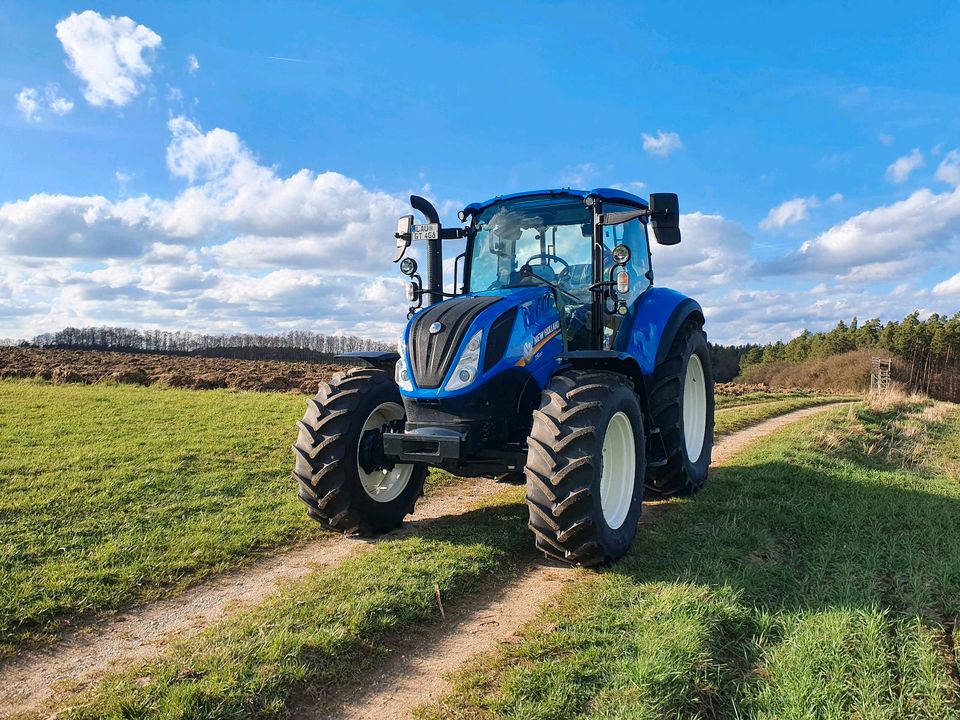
{"x":208,"y":373}
{"x":200,"y":373}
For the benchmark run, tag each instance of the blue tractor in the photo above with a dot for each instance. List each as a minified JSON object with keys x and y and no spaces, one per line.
{"x":555,"y":358}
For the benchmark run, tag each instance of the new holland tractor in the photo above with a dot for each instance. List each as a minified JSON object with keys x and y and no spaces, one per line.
{"x":555,"y":358}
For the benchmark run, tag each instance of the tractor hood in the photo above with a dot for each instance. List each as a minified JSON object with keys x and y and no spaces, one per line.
{"x":517,"y":329}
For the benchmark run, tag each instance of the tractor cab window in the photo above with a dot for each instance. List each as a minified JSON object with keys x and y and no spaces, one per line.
{"x":553,"y":236}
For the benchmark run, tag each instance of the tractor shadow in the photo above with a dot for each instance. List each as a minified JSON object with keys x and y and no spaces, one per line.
{"x":796,"y":537}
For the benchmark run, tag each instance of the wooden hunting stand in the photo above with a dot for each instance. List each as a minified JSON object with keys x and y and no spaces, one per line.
{"x":879,"y":375}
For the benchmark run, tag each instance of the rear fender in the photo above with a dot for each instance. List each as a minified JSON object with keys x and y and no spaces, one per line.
{"x":651,"y":326}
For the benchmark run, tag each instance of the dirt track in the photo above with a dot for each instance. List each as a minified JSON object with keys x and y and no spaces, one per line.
{"x":138,"y":634}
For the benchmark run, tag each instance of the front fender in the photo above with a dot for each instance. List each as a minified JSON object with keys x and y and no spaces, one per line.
{"x":652,"y":323}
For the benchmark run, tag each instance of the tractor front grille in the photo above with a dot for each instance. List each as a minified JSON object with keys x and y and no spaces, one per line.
{"x":432,"y":353}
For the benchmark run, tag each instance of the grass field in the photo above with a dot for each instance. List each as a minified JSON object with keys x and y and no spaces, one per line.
{"x":817,"y":577}
{"x":115,"y":494}
{"x":112,"y":493}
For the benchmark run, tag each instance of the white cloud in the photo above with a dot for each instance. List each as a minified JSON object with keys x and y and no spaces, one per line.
{"x":579,"y":176}
{"x":901,"y":168}
{"x":885,"y":138}
{"x":714,"y":252}
{"x":950,"y":286}
{"x":881,"y":242}
{"x":28,"y":103}
{"x":949,"y":169}
{"x":789,"y":212}
{"x":835,"y":198}
{"x":192,"y":63}
{"x":635,"y":187}
{"x":662,"y":144}
{"x":239,"y":247}
{"x":109,"y":54}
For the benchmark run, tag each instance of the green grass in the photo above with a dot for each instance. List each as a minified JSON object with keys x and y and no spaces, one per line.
{"x":113,"y":493}
{"x":737,"y":417}
{"x":322,"y":630}
{"x":815,"y":577}
{"x":758,"y":396}
{"x":95,"y":477}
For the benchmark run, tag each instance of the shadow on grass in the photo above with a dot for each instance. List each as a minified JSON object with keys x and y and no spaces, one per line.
{"x":804,"y":535}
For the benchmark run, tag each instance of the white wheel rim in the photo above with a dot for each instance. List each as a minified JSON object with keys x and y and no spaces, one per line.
{"x":618,"y":470}
{"x":383,"y":485}
{"x":694,"y":408}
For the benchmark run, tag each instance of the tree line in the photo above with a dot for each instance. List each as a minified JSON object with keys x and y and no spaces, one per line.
{"x":291,"y":345}
{"x":926,"y":353}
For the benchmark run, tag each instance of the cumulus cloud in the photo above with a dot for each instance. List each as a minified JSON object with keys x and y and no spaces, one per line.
{"x":876,"y":243}
{"x":901,"y":168}
{"x":714,"y":252}
{"x":950,"y":286}
{"x":28,"y":103}
{"x":111,"y":55}
{"x":662,"y":144}
{"x":239,"y":247}
{"x":948,"y":170}
{"x":192,"y":63}
{"x":789,"y":212}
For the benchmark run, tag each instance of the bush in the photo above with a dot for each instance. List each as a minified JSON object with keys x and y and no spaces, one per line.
{"x":848,"y":372}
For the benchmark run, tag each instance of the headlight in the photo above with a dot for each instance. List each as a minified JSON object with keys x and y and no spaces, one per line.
{"x":466,"y":370}
{"x":402,"y":375}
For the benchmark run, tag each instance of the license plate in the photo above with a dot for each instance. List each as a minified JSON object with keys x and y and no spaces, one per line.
{"x":425,"y":232}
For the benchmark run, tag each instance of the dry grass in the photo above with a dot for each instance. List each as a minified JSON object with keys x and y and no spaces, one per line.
{"x":902,"y":426}
{"x":849,"y":372}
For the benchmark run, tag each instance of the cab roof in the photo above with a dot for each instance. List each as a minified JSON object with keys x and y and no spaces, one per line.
{"x":603,"y":193}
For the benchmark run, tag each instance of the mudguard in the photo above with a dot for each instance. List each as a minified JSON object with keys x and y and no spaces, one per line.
{"x":652,"y":323}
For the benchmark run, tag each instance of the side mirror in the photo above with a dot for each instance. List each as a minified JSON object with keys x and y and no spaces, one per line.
{"x":665,"y":218}
{"x":404,"y":225}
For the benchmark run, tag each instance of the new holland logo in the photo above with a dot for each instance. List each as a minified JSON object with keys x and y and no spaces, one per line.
{"x":435,"y":328}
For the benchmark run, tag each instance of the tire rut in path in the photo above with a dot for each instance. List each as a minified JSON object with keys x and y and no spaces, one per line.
{"x":418,"y":675}
{"x":733,"y":443}
{"x":140,"y":633}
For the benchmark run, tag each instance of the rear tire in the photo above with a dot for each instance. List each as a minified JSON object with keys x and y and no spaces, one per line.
{"x":585,"y":467}
{"x":681,"y":406}
{"x":338,"y":493}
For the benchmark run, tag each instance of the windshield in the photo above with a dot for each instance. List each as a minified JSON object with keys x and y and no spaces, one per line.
{"x":552,"y":235}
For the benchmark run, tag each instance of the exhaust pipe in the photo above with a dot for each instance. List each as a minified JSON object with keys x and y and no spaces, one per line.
{"x":434,"y":288}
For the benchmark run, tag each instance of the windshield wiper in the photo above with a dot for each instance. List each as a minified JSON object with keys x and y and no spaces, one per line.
{"x":527,"y":271}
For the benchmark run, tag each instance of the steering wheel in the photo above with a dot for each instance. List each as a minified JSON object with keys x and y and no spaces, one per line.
{"x":547,"y":256}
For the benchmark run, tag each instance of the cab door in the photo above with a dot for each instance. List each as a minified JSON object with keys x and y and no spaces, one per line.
{"x":633,"y":234}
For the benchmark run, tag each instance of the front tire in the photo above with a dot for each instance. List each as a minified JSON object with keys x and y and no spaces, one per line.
{"x":681,"y":405}
{"x":585,"y":467}
{"x":339,"y":493}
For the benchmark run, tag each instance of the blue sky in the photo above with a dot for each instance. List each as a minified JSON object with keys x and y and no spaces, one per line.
{"x":234,"y":166}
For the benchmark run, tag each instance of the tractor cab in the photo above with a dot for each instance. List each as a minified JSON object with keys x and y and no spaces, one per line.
{"x":591,"y":248}
{"x":549,"y":240}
